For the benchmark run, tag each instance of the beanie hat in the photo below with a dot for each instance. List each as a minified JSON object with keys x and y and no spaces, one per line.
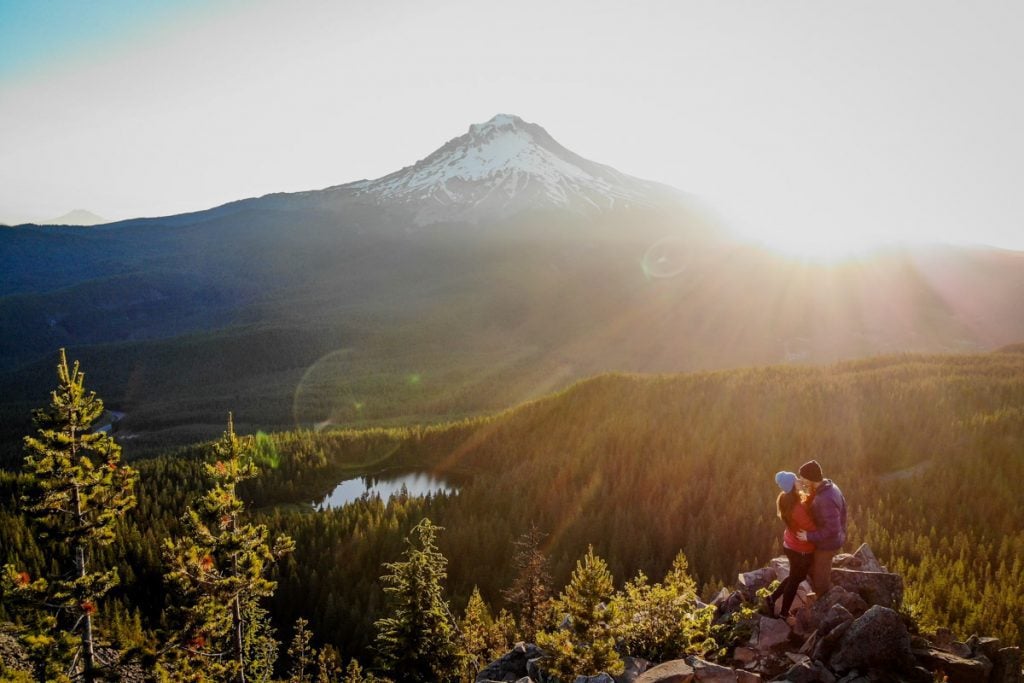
{"x":785,"y":480}
{"x":811,"y":470}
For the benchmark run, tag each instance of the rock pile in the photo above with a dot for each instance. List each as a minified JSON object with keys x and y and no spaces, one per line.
{"x":854,"y":633}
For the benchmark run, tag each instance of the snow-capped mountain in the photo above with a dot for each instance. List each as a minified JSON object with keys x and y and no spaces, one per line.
{"x":502,"y":167}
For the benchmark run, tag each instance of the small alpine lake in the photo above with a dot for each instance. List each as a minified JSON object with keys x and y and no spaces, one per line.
{"x":385,"y":485}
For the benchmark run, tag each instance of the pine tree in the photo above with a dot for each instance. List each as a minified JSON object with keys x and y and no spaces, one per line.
{"x":81,"y":492}
{"x":328,"y":664}
{"x":585,"y":643}
{"x":301,"y":652}
{"x":530,"y":592}
{"x":483,"y":639}
{"x":220,"y":567}
{"x":652,"y":620}
{"x":417,"y":642}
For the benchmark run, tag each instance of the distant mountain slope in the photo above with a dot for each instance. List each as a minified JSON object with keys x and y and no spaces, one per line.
{"x":500,"y":267}
{"x":77,"y":217}
{"x":502,"y":167}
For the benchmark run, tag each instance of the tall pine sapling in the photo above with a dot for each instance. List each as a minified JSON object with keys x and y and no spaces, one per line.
{"x":81,"y":491}
{"x":220,"y":567}
{"x":586,"y":645}
{"x":417,"y":642}
{"x":302,"y":653}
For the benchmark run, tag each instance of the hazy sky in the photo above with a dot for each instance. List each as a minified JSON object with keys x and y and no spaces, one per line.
{"x":827,"y":121}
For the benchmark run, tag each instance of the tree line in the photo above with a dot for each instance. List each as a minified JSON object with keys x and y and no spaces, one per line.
{"x":636,"y":468}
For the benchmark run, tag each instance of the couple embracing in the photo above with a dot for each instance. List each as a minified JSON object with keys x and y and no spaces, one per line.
{"x":814,"y":511}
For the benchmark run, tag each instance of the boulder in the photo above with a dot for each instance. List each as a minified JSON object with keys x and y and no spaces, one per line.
{"x":826,"y":646}
{"x":512,"y":666}
{"x":877,"y":638}
{"x":809,"y":619}
{"x":757,"y":579}
{"x":747,"y":676}
{"x":957,"y":669}
{"x":744,"y":656}
{"x":780,"y":565}
{"x":862,"y":560}
{"x":837,"y":614}
{"x":675,"y":671}
{"x":876,"y":588}
{"x":771,"y":633}
{"x":1006,"y":666}
{"x":809,"y":672}
{"x":634,"y":666}
{"x":707,"y":671}
{"x":981,"y":645}
{"x":599,"y":678}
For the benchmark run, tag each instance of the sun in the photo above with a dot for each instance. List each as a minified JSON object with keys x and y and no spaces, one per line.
{"x":820,"y":247}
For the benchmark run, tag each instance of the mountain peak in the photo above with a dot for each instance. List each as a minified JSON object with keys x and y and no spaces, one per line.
{"x":497,"y":122}
{"x":501,"y":167}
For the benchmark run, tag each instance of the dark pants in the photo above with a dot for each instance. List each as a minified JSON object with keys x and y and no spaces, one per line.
{"x":821,"y":571}
{"x":799,"y":567}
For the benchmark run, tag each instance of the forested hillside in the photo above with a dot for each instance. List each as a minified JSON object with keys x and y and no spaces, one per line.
{"x":928,"y":450}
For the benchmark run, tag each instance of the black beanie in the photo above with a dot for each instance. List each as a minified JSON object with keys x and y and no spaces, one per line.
{"x":811,"y":470}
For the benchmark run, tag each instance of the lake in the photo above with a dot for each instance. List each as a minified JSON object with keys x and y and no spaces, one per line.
{"x":385,"y":486}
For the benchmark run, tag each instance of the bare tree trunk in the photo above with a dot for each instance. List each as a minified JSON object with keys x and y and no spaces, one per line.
{"x":88,"y":654}
{"x":237,"y":616}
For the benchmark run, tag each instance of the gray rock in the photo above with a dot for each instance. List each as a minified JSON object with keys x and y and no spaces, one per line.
{"x":837,"y":614}
{"x":512,"y":666}
{"x":599,"y":678}
{"x":877,"y":638}
{"x":827,"y":645}
{"x":771,"y":633}
{"x":525,"y":679}
{"x":809,"y":619}
{"x":957,"y":669}
{"x":707,"y":671}
{"x":982,"y":645}
{"x":675,"y":671}
{"x":634,"y":666}
{"x":809,"y":672}
{"x":744,"y":655}
{"x":757,"y":579}
{"x":747,"y":676}
{"x":862,"y":560}
{"x":781,"y":567}
{"x":1006,"y":666}
{"x":876,"y":588}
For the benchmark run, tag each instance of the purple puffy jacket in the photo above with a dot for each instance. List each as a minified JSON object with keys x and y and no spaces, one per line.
{"x":828,"y":508}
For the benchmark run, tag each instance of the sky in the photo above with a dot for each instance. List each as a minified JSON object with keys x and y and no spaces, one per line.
{"x":796,"y":123}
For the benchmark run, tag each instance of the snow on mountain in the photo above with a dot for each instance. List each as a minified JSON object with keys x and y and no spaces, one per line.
{"x":501,"y":167}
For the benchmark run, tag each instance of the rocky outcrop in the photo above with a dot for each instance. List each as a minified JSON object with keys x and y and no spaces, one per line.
{"x":854,"y":633}
{"x":512,"y":667}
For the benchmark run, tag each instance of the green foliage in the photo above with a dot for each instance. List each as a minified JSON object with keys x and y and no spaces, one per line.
{"x":79,"y":492}
{"x":482,"y":637}
{"x":585,"y":643}
{"x":302,"y":653}
{"x":652,"y":620}
{"x":219,"y":567}
{"x":417,"y":642}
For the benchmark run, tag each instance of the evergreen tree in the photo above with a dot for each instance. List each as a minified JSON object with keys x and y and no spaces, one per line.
{"x":585,"y":643}
{"x":417,"y":642}
{"x":220,"y":567}
{"x":301,"y":652}
{"x":81,"y":491}
{"x":483,"y":639}
{"x":652,"y":620}
{"x":530,"y":592}
{"x":328,"y":664}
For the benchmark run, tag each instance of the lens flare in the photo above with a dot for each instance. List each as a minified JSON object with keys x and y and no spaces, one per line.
{"x":668,"y":257}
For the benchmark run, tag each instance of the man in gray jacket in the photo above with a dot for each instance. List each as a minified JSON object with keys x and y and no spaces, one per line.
{"x":828,"y":509}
